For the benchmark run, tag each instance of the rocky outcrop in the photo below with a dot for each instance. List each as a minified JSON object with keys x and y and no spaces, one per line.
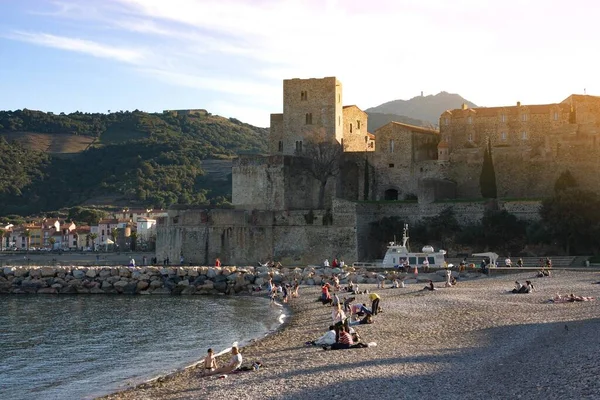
{"x":174,"y":280}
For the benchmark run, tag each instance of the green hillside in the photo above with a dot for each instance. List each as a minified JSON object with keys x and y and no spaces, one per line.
{"x":132,"y":158}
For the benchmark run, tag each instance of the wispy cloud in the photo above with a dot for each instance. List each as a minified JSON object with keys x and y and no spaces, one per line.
{"x":92,"y":48}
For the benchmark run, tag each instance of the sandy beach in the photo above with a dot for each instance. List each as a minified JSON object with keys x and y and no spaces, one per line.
{"x":472,"y":341}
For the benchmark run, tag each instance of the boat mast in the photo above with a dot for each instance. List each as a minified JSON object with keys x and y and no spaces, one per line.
{"x":405,"y":237}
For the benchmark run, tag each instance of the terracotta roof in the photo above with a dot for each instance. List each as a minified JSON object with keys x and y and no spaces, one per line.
{"x":443,"y":145}
{"x":370,"y":135}
{"x":85,"y":228}
{"x":108,"y":221}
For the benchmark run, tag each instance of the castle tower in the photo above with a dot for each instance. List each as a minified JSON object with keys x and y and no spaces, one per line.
{"x":309,"y":106}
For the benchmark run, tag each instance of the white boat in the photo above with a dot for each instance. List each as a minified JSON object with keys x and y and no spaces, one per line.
{"x":397,"y":254}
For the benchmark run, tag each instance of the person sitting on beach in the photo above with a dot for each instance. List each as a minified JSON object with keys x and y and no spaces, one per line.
{"x":543,"y":273}
{"x":526,"y":288}
{"x":375,"y":299}
{"x":463,"y":265}
{"x":380,"y":281}
{"x":295,"y":288}
{"x":345,"y":341}
{"x":234,"y":363}
{"x":520,"y":263}
{"x":338,"y":315}
{"x":425,"y":265}
{"x":517,"y":287}
{"x":430,"y":286}
{"x":327,"y":339}
{"x":325,"y":296}
{"x":508,"y":262}
{"x":210,"y":363}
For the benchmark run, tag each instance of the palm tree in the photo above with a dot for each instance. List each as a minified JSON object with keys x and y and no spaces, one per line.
{"x":92,"y":237}
{"x":114,"y":234}
{"x":27,"y":235}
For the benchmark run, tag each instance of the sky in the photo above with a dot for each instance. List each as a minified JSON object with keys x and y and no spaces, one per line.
{"x":231,"y":56}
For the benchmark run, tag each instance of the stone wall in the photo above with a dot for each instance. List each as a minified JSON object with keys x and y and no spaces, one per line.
{"x":294,"y":237}
{"x":276,"y":183}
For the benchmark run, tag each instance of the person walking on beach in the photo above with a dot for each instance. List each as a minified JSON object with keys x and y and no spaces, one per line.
{"x":234,"y":363}
{"x":374,"y":297}
{"x":217,"y":262}
{"x":210,"y":364}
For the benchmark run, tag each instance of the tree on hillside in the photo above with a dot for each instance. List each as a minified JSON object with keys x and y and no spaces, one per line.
{"x":324,"y":156}
{"x":573,"y":218}
{"x":565,"y":181}
{"x":487,"y":179}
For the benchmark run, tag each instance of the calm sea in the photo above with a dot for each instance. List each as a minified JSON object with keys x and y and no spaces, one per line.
{"x":84,"y":346}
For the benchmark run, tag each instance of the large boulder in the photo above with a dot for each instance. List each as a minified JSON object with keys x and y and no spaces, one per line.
{"x":221,"y":287}
{"x":189,"y":290}
{"x":156,"y":284}
{"x":8,"y":271}
{"x":78,"y":274}
{"x":96,"y":290}
{"x":120,"y":285}
{"x":130,"y":288}
{"x":211,"y":273}
{"x":142,"y":285}
{"x":68,"y":290}
{"x":106,"y":285}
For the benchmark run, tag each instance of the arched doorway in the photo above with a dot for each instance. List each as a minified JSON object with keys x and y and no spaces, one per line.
{"x":391,"y":194}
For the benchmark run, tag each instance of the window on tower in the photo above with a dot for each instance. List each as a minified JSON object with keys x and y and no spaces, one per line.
{"x":308,"y":118}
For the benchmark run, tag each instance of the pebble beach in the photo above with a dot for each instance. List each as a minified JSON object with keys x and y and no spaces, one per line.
{"x":472,"y":341}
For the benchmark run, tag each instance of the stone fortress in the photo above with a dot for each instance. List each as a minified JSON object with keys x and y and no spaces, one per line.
{"x":277,"y":217}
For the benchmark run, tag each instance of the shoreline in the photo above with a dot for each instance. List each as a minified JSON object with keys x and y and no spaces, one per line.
{"x":222,"y":356}
{"x":426,"y":343}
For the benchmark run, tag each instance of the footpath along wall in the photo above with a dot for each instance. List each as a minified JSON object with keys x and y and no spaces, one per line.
{"x":173,"y":280}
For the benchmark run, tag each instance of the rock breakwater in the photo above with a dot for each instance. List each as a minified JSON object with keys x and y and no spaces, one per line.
{"x":170,"y":280}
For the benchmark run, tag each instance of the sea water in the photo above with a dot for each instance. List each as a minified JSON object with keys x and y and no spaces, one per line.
{"x":83,"y":346}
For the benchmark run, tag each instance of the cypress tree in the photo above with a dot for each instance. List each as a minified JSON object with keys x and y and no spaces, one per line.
{"x":487,"y":180}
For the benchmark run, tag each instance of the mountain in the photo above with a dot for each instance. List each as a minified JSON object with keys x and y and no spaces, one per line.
{"x":122,"y":159}
{"x":377,"y":120}
{"x":425,"y":108}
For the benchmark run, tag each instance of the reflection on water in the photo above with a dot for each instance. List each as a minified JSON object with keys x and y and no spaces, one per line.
{"x":85,"y":346}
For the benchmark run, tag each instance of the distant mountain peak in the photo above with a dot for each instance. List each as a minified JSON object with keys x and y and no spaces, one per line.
{"x":427,"y":108}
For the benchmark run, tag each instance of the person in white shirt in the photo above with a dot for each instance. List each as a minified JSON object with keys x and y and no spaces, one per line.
{"x":326,"y":263}
{"x":327,"y":339}
{"x":508,"y":262}
{"x":425,"y":265}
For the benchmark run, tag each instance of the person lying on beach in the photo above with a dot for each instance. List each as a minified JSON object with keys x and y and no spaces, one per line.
{"x":327,"y":339}
{"x":517,"y":287}
{"x":368,"y":319}
{"x":571,"y":298}
{"x":430,"y":286}
{"x":234,"y":363}
{"x":345,"y":341}
{"x":359,"y":310}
